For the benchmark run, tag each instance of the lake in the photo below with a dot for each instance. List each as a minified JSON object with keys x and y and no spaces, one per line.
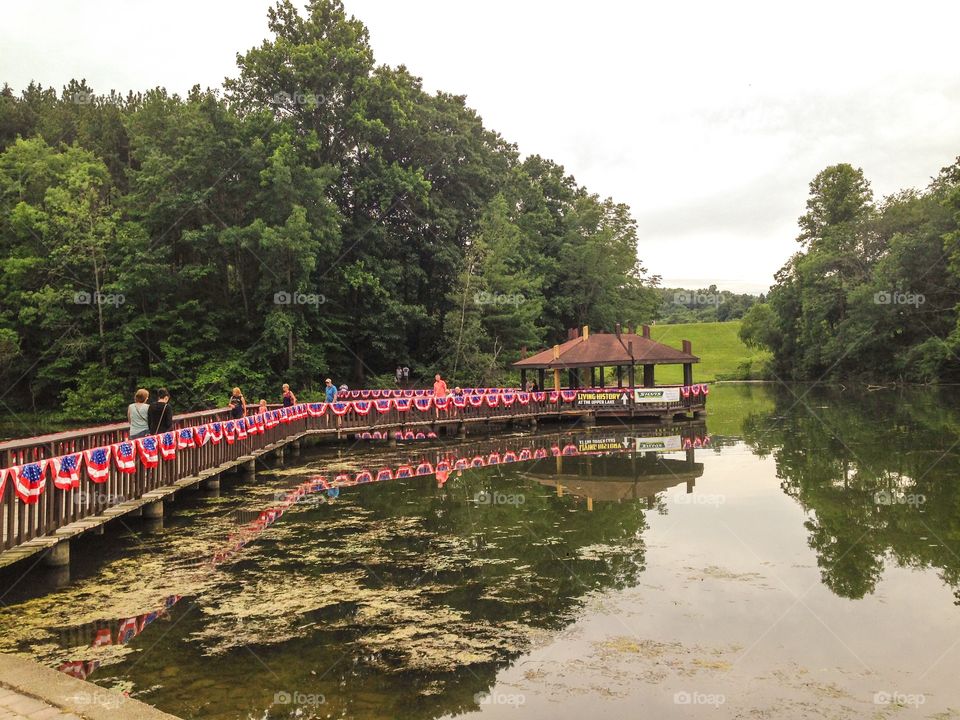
{"x":798,"y":556}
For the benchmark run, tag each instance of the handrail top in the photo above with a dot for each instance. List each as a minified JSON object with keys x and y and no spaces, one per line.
{"x":20,"y":443}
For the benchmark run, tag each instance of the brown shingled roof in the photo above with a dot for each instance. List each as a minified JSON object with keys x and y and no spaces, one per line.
{"x":607,"y":349}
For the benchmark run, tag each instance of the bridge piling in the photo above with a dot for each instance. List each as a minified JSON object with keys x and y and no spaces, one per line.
{"x":58,"y":555}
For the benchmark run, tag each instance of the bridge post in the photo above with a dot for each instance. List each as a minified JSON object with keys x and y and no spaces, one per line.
{"x":295,"y":447}
{"x":153,"y":510}
{"x":212,"y":483}
{"x":461,"y":430}
{"x":58,"y":555}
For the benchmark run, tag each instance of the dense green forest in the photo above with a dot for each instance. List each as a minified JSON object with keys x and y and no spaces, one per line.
{"x":319,"y":215}
{"x":682,"y":305}
{"x":873,"y":292}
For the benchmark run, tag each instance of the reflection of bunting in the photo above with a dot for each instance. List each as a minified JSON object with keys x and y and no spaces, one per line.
{"x":103,"y":637}
{"x":128,"y":631}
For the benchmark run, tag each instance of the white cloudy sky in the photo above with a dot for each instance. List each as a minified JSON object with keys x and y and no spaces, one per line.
{"x":709,"y":119}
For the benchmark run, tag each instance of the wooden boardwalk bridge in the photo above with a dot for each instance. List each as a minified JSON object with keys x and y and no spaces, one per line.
{"x":58,"y":486}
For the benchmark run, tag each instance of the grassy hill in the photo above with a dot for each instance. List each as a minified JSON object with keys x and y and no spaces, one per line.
{"x":722,"y":355}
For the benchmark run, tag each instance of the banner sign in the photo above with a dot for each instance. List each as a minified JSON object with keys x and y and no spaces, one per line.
{"x":600,"y":398}
{"x":663,"y":444}
{"x":656,"y":395}
{"x":605,"y":444}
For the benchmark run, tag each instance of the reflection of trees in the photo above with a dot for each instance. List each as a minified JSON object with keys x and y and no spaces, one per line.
{"x":876,"y":470}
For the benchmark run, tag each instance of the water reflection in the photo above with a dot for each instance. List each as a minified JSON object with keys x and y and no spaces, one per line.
{"x":408,"y":582}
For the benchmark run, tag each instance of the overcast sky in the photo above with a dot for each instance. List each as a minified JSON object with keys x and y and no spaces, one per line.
{"x":708,"y":119}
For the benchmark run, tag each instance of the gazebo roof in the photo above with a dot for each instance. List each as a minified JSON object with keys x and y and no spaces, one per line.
{"x":596,"y":349}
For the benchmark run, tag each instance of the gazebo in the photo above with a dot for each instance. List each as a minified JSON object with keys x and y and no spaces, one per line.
{"x":621,"y":350}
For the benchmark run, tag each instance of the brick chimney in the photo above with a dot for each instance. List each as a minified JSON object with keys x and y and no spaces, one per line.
{"x":646,"y":331}
{"x":688,"y":347}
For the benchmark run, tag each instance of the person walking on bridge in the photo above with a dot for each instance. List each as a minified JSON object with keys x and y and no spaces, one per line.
{"x":331,"y":391}
{"x":160,"y":414}
{"x":138,"y":414}
{"x":238,"y":404}
{"x":289,"y":399}
{"x":440,"y":387}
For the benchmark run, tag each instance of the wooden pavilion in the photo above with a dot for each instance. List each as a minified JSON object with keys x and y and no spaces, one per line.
{"x":624,"y":351}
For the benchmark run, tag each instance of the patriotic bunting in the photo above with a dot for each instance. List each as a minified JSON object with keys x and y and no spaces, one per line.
{"x":148,"y":450}
{"x":493,"y":400}
{"x":475,"y":400}
{"x":361,"y":407}
{"x":66,"y":471}
{"x":241,"y":427}
{"x":423,"y":403}
{"x":185,"y":439}
{"x":124,"y":457}
{"x":29,"y":481}
{"x":200,"y":435}
{"x":98,"y":464}
{"x":168,"y":445}
{"x":383,"y":406}
{"x":340,"y":408}
{"x":402,"y":404}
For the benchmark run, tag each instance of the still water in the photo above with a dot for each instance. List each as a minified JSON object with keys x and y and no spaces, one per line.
{"x":800,"y":559}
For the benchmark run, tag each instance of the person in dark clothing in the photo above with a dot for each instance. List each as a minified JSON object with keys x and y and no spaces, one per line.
{"x":238,"y":404}
{"x":160,"y":413}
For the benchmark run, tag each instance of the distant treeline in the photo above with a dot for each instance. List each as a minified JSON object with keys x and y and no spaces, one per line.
{"x":682,"y":305}
{"x":873,"y":292}
{"x":320,"y":216}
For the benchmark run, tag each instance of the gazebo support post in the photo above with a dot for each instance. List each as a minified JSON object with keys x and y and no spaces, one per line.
{"x":602,"y":384}
{"x":523,"y":379}
{"x":542,"y":379}
{"x":593,"y":377}
{"x":648,"y":380}
{"x":688,"y":373}
{"x":619,"y":376}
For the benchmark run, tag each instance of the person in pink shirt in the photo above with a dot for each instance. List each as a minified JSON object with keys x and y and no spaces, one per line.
{"x":440,"y":387}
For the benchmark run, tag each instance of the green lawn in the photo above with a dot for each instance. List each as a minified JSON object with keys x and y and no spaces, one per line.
{"x":717,"y":344}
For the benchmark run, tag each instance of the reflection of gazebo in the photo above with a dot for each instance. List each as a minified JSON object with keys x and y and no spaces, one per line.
{"x":617,"y":478}
{"x":598,"y":350}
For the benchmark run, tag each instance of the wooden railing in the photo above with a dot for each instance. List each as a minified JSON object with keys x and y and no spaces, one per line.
{"x":55,"y":508}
